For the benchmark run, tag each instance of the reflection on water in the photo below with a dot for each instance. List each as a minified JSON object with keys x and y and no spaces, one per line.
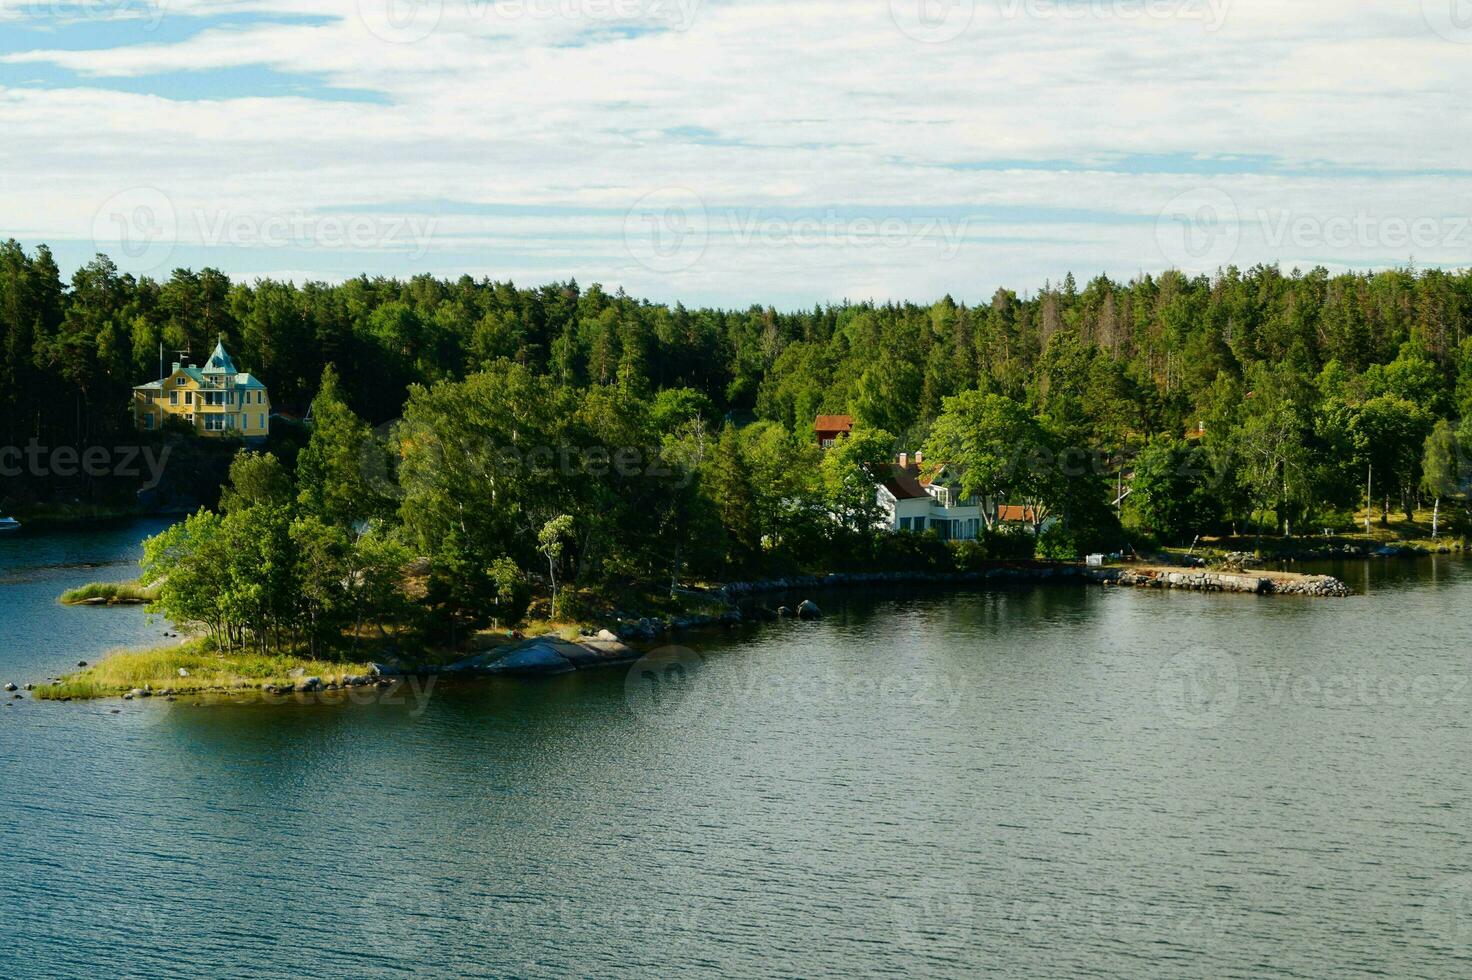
{"x":1052,"y":781}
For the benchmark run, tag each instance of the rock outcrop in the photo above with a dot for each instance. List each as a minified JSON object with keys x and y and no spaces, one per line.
{"x":542,"y":656}
{"x":1205,"y":580}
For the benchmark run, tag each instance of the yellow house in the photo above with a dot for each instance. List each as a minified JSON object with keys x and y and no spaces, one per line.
{"x":215,"y":400}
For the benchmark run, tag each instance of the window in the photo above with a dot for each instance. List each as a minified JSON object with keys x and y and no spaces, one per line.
{"x":189,"y":398}
{"x":905,"y":523}
{"x":173,"y":397}
{"x":260,"y":398}
{"x":214,"y":423}
{"x":148,"y":421}
{"x":263,"y":421}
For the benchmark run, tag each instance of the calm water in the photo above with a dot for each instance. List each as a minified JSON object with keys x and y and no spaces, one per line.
{"x":1036,"y":783}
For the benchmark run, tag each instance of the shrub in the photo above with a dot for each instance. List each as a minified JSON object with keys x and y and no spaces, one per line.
{"x":913,"y":551}
{"x":1009,"y":543}
{"x":969,"y":556}
{"x":1058,"y":543}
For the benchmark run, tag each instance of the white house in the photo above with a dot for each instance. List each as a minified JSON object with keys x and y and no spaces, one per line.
{"x":930,"y":500}
{"x":912,"y":502}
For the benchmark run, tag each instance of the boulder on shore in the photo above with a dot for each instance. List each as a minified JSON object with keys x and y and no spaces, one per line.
{"x":11,"y":687}
{"x":809,"y":610}
{"x":536,"y":657}
{"x":544,"y":655}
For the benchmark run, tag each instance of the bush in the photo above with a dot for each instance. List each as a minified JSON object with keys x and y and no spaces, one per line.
{"x":1058,"y":543}
{"x":969,"y":556}
{"x":1456,"y":520}
{"x":907,"y":551}
{"x":1009,"y":543}
{"x":1336,"y":521}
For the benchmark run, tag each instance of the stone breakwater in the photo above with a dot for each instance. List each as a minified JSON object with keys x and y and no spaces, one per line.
{"x":1204,"y":580}
{"x":1141,"y":576}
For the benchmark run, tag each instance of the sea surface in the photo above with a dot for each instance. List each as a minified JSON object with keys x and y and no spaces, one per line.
{"x":1052,"y":781}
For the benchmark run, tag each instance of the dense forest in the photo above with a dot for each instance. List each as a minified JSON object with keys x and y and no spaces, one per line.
{"x":1254,"y":399}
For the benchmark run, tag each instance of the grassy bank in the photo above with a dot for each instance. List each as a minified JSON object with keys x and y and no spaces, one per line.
{"x":109,"y":594}
{"x":205,"y":671}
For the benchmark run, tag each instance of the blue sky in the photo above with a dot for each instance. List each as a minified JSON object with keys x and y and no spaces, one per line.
{"x":738,"y":151}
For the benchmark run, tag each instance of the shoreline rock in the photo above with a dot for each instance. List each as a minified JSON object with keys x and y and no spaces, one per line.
{"x":543,"y":656}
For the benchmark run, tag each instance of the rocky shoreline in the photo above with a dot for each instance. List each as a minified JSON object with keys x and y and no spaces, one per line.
{"x":552,"y":655}
{"x":1202,"y":580}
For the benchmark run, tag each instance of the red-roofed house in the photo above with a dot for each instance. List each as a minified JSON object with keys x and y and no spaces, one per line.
{"x":831,"y":428}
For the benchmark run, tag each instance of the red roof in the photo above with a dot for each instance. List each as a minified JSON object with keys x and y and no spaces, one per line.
{"x":1015,"y":514}
{"x":904,"y":486}
{"x":834,"y":423}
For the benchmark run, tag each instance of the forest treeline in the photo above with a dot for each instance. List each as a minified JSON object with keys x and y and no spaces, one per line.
{"x":1250,"y":399}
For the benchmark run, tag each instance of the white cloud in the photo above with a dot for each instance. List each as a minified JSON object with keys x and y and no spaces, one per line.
{"x":576,"y":109}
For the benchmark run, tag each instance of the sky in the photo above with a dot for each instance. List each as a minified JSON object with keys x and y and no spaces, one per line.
{"x":731,"y":152}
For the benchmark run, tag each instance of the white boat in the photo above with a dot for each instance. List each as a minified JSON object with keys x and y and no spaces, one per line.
{"x":9,"y":524}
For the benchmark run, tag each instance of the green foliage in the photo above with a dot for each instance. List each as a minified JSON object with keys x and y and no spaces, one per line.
{"x":511,"y":593}
{"x":109,"y":593}
{"x":1389,"y":436}
{"x":1009,"y":543}
{"x":1058,"y":543}
{"x":991,"y":441}
{"x":256,"y":479}
{"x":344,"y":474}
{"x":1442,"y":469}
{"x":1173,"y":489}
{"x":850,"y":471}
{"x":679,"y":441}
{"x":913,"y":552}
{"x":549,"y":543}
{"x":676,"y":407}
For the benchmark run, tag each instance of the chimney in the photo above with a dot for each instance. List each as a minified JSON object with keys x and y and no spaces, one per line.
{"x":904,"y":461}
{"x":176,"y":366}
{"x":919,"y":458}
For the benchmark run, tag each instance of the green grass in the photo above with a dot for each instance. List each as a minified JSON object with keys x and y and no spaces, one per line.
{"x":209,"y":671}
{"x":109,"y":594}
